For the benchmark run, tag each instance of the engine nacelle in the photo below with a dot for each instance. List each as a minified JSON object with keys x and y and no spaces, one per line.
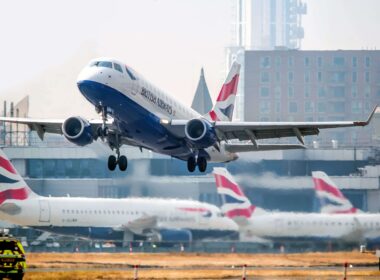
{"x":200,"y":133}
{"x":78,"y":131}
{"x":173,"y":235}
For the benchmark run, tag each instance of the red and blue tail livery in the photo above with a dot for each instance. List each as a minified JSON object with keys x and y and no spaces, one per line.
{"x":224,"y":106}
{"x":12,"y":186}
{"x":234,"y":202}
{"x":332,"y":199}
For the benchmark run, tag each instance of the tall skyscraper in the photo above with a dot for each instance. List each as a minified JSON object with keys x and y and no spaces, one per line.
{"x":263,"y":25}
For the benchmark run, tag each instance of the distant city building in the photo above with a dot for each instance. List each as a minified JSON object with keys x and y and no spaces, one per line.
{"x":263,"y":25}
{"x":293,"y":85}
{"x":202,"y":102}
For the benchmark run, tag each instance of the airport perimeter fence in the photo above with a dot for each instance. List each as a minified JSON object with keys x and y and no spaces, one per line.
{"x":192,"y":247}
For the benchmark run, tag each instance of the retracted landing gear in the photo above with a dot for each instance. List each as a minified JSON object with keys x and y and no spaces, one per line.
{"x":192,"y":163}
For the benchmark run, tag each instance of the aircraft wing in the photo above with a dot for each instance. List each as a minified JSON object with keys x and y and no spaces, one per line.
{"x":42,"y":126}
{"x":254,"y":131}
{"x":138,"y":225}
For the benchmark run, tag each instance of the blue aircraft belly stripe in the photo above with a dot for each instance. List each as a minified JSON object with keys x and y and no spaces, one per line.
{"x":135,"y":121}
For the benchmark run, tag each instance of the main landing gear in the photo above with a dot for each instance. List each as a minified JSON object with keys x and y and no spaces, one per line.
{"x":192,"y":163}
{"x":113,"y":141}
{"x":122,"y":161}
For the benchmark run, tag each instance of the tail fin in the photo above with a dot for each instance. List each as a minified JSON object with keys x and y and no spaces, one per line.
{"x":12,"y":185}
{"x":332,"y":199}
{"x":225,"y":103}
{"x":235,"y":204}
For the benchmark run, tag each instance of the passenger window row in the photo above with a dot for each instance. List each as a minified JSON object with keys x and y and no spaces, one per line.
{"x":104,"y":212}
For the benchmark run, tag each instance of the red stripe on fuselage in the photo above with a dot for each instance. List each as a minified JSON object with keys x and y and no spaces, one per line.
{"x":349,"y":211}
{"x":228,"y":89}
{"x":4,"y":163}
{"x":247,"y":212}
{"x":321,"y":185}
{"x":193,"y":209}
{"x":18,"y":194}
{"x":223,"y":182}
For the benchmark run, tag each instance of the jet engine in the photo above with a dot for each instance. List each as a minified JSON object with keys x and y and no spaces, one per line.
{"x":78,"y":131}
{"x":200,"y":133}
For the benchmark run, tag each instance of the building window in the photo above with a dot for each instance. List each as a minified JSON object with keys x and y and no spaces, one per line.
{"x":321,"y":107}
{"x":354,"y":91}
{"x":278,"y":107}
{"x":338,"y":107}
{"x":264,"y":91}
{"x":307,"y":91}
{"x":264,"y":77}
{"x":309,"y":107}
{"x":356,"y":107}
{"x":277,"y":92}
{"x":321,"y":92}
{"x":354,"y":77}
{"x":265,"y":62}
{"x":278,"y":77}
{"x":320,"y":62}
{"x":338,"y":61}
{"x":290,"y":61}
{"x":278,"y":61}
{"x":307,"y":61}
{"x":319,"y":76}
{"x":338,"y":77}
{"x":290,"y":77}
{"x":367,"y":77}
{"x":338,"y":92}
{"x":290,"y":92}
{"x":367,"y":61}
{"x":264,"y":107}
{"x":307,"y":76}
{"x":367,"y":91}
{"x":292,"y":107}
{"x":354,"y":61}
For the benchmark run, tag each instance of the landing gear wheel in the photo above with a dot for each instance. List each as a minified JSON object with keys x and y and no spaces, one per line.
{"x":191,"y":164}
{"x":123,"y":163}
{"x":112,"y":162}
{"x":202,"y":164}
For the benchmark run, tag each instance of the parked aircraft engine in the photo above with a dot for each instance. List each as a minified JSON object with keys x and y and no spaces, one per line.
{"x":200,"y":133}
{"x":172,"y":235}
{"x":78,"y":131}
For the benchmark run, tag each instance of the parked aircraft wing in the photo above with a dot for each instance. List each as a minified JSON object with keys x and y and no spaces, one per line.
{"x":138,"y":225}
{"x":254,"y":131}
{"x":42,"y":126}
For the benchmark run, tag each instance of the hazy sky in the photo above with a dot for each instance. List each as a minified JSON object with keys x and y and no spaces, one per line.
{"x":45,"y":43}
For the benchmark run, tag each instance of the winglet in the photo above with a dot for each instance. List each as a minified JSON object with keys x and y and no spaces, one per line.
{"x":364,"y":123}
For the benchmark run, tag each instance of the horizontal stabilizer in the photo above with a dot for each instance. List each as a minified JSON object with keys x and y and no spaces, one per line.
{"x":249,"y":147}
{"x":10,"y":208}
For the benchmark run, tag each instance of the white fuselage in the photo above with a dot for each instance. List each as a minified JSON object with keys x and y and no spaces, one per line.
{"x":146,"y":101}
{"x":298,"y":226}
{"x":116,"y":214}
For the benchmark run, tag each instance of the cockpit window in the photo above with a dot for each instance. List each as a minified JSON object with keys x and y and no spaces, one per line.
{"x":130,"y":74}
{"x":117,"y":67}
{"x":102,"y":64}
{"x":105,"y":64}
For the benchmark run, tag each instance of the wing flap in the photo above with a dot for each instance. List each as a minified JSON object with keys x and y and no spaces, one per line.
{"x":248,"y":147}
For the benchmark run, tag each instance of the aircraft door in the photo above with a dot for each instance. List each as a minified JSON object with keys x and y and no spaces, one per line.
{"x":44,"y":211}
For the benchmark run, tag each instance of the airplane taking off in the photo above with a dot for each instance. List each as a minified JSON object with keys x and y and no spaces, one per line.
{"x":146,"y":117}
{"x":124,"y":219}
{"x":331,"y":198}
{"x":258,"y":224}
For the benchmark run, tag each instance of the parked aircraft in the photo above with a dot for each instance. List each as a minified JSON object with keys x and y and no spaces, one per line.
{"x":146,"y":117}
{"x":106,"y":218}
{"x":331,"y":198}
{"x":255,"y":222}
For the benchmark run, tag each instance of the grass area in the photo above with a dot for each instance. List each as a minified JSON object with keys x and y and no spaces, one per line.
{"x":198,"y":266}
